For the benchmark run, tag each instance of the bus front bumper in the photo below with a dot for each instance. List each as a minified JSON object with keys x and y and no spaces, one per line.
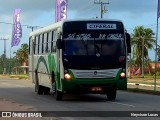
{"x":87,"y":85}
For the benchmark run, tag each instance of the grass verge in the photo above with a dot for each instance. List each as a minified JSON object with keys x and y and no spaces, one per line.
{"x":16,"y":76}
{"x":138,"y":90}
{"x":148,"y":81}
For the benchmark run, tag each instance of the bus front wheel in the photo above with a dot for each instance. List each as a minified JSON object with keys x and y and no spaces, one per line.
{"x":59,"y":95}
{"x":111,"y":94}
{"x":38,"y":88}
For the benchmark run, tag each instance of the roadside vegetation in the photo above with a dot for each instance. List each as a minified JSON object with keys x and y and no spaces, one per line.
{"x":141,"y":68}
{"x":144,"y":91}
{"x":14,"y":65}
{"x":20,"y":76}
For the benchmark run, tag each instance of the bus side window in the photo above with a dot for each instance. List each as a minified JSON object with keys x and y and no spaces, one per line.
{"x":53,"y":46}
{"x":40,"y":43}
{"x":43,"y":43}
{"x":45,"y":40}
{"x":31,"y":46}
{"x":49,"y":41}
{"x":36,"y":45}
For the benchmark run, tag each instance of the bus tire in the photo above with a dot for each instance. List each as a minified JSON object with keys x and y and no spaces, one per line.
{"x":59,"y":95}
{"x":46,"y":90}
{"x":38,"y":88}
{"x":53,"y":84}
{"x":111,"y":94}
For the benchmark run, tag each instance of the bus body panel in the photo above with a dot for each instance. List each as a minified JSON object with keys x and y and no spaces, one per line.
{"x":47,"y":64}
{"x":85,"y":85}
{"x":79,"y":83}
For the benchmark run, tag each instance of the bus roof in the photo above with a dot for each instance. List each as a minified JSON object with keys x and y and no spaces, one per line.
{"x":47,"y":28}
{"x":60,"y":24}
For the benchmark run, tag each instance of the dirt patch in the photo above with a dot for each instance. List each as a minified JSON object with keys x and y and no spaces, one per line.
{"x":13,"y":106}
{"x":6,"y":105}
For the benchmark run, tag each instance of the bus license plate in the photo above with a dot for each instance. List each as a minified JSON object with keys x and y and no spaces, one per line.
{"x":96,"y":89}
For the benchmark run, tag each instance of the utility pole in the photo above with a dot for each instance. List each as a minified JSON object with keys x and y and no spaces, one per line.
{"x":130,"y":65}
{"x":32,"y":27}
{"x":143,"y":57}
{"x":102,"y":7}
{"x":4,"y":53}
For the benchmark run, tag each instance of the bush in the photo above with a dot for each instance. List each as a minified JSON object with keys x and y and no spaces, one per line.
{"x":158,"y":73}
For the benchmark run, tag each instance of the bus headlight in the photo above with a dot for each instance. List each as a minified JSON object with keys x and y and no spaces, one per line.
{"x":67,"y":76}
{"x":122,"y":75}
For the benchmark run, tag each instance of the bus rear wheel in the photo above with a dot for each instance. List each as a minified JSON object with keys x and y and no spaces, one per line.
{"x":111,"y":94}
{"x":46,"y":90}
{"x":39,"y":89}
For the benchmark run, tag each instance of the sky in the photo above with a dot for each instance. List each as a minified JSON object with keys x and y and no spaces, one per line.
{"x":42,"y":13}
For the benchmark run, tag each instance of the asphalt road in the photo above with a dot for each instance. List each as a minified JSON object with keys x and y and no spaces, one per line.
{"x":22,"y":91}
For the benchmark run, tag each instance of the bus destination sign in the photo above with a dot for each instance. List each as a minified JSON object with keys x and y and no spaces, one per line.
{"x":101,"y":26}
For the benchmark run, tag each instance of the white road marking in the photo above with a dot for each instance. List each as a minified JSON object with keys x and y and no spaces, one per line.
{"x":66,"y":118}
{"x":123,"y":104}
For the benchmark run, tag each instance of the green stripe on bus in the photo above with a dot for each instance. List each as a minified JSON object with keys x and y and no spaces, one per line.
{"x":52,"y":67}
{"x":41,"y":59}
{"x":52,"y":63}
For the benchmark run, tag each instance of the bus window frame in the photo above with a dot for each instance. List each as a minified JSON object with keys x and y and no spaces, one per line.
{"x":30,"y":45}
{"x":49,"y":40}
{"x":36,"y":45}
{"x":45,"y":42}
{"x":52,"y":40}
{"x":40,"y":43}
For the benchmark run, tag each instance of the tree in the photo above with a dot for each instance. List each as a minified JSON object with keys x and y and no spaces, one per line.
{"x":158,"y":52}
{"x":22,"y":53}
{"x":142,"y":37}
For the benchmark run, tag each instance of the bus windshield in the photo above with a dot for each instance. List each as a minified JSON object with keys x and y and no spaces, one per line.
{"x":94,"y":43}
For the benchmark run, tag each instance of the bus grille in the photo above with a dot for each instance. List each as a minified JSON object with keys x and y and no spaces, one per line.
{"x":111,"y":73}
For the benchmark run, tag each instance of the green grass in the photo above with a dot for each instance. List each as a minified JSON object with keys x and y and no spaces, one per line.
{"x":146,"y":76}
{"x":145,"y":82}
{"x":20,"y":76}
{"x":25,"y":76}
{"x":137,"y":90}
{"x":148,"y":79}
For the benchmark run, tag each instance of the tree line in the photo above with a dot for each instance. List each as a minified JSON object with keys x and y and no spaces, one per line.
{"x":11,"y":64}
{"x":142,"y":40}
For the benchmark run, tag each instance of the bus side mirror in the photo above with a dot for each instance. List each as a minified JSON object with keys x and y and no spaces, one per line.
{"x":128,"y":41}
{"x":59,"y":44}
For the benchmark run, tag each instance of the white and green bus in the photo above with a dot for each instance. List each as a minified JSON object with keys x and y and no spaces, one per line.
{"x":79,"y":56}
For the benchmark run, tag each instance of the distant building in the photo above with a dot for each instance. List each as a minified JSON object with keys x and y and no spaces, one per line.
{"x":153,"y":65}
{"x":147,"y":70}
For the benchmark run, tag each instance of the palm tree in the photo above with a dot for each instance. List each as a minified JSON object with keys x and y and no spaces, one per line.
{"x":142,"y":38}
{"x":22,"y":53}
{"x":158,"y":52}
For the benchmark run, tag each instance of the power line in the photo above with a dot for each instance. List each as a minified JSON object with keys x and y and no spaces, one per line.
{"x":32,"y":27}
{"x":21,"y":25}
